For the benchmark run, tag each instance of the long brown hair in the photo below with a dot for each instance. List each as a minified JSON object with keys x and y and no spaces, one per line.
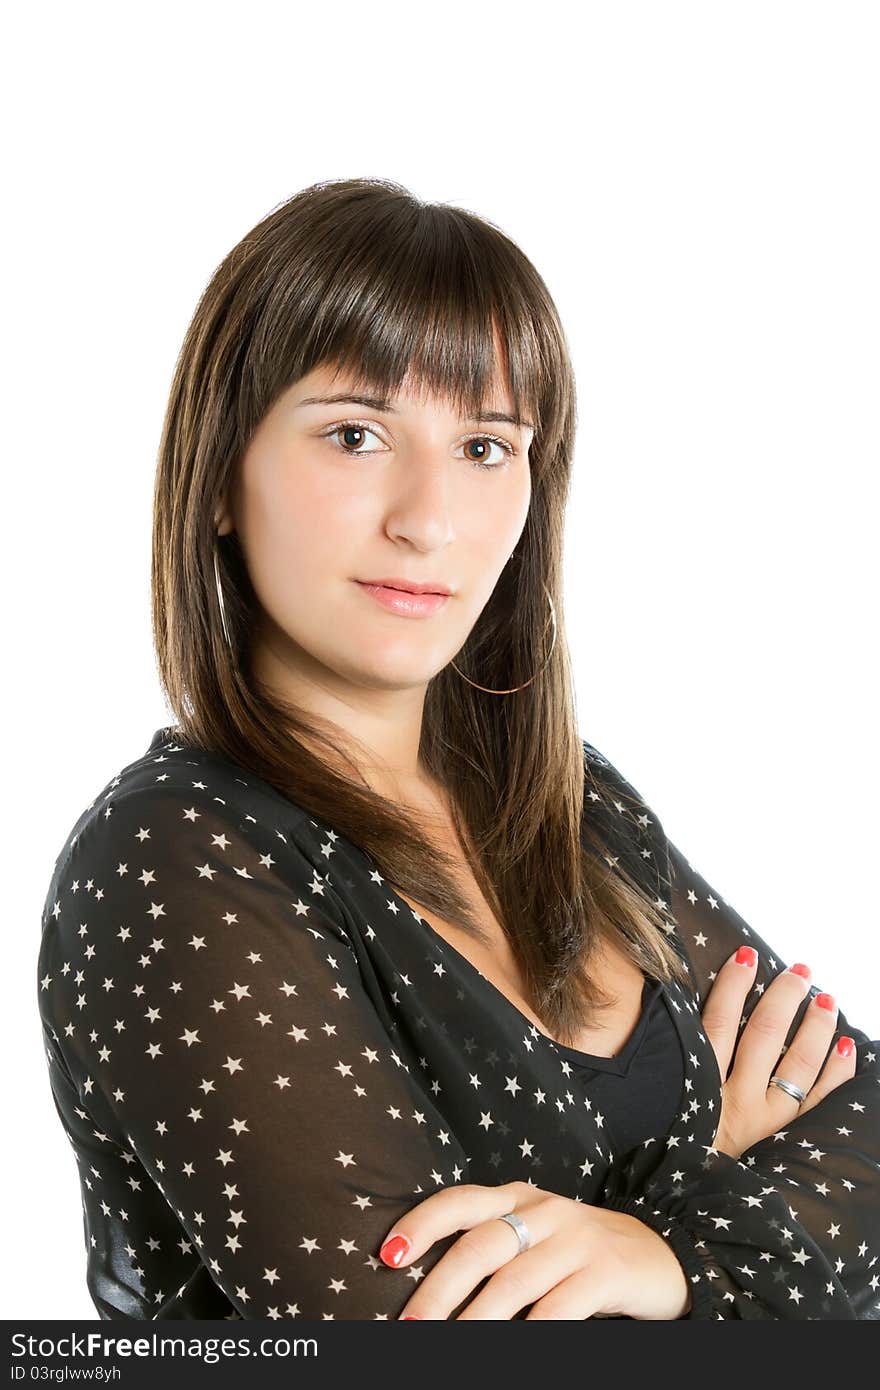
{"x":361,"y":274}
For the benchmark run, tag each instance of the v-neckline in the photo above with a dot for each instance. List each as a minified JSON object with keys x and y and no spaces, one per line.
{"x":676,"y":1006}
{"x":621,"y":1061}
{"x":618,"y":1063}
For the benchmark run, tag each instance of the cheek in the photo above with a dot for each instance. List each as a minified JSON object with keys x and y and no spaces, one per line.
{"x":497,"y":523}
{"x":297,"y":533}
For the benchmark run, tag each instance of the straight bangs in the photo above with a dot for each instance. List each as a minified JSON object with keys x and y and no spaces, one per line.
{"x":394,"y":292}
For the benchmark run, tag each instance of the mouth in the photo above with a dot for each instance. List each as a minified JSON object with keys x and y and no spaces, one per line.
{"x":406,"y":603}
{"x":404,"y":586}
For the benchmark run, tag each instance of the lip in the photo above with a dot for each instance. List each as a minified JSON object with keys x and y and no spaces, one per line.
{"x":410,"y":586}
{"x":404,"y":602}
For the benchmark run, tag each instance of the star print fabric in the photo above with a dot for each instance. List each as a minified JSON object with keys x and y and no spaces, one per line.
{"x":791,"y":1229}
{"x":246,"y":1128}
{"x":262,"y":1059}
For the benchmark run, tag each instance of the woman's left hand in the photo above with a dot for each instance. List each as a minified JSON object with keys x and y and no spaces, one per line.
{"x":583,"y":1261}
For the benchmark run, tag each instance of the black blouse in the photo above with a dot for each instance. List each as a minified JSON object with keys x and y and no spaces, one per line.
{"x":263,"y":1058}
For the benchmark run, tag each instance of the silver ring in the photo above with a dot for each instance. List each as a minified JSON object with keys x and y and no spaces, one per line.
{"x":522,"y":1230}
{"x":789,"y":1087}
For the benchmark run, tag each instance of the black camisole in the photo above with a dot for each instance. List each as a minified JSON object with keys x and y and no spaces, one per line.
{"x":638,"y":1090}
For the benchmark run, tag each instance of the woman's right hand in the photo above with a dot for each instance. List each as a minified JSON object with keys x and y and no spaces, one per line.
{"x":751,"y":1108}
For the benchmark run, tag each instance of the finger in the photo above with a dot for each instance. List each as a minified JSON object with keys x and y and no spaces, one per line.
{"x":803,"y":1058}
{"x":490,"y":1252}
{"x":763,"y":1036}
{"x":455,"y":1208}
{"x":722,"y":1010}
{"x":839,"y":1067}
{"x":524,"y":1279}
{"x":581,"y":1295}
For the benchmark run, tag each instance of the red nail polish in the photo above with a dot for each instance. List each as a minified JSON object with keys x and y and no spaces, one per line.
{"x":845,"y":1046}
{"x":394,"y":1249}
{"x":746,"y":955}
{"x":825,"y":1001}
{"x":410,"y":1317}
{"x":800,"y":970}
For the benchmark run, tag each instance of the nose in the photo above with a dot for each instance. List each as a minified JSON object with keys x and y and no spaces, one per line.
{"x":420,"y":505}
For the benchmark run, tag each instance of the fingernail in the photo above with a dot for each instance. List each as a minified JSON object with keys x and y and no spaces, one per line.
{"x":410,"y":1317}
{"x":395,"y":1249}
{"x":799,"y":969}
{"x":746,"y":955}
{"x":845,"y":1046}
{"x":825,"y":1001}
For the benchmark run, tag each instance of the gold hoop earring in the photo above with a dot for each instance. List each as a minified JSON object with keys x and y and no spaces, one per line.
{"x":531,"y":678}
{"x":220,"y":599}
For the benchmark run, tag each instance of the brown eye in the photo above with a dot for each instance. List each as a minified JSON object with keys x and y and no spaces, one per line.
{"x":482,"y":443}
{"x":351,"y":436}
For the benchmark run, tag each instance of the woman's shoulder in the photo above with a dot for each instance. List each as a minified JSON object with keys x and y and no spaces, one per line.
{"x":196,"y":826}
{"x":626,"y":823}
{"x":172,"y":786}
{"x":604,"y":778}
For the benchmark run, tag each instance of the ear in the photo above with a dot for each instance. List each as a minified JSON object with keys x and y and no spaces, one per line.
{"x":222,"y":518}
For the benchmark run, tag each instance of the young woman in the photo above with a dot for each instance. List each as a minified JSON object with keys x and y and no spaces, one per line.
{"x":371,"y":989}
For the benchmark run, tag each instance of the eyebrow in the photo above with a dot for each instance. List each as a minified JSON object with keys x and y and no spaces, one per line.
{"x":378,"y":403}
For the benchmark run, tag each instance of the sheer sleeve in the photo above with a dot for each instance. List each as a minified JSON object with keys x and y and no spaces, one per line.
{"x":791,"y":1229}
{"x":221,"y":1062}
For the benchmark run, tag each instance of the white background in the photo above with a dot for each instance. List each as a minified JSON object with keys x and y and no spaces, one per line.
{"x":697,"y":183}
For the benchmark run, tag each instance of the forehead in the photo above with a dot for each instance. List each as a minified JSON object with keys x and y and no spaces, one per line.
{"x":339,"y":381}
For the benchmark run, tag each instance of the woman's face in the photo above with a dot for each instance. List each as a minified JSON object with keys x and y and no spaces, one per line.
{"x":330,"y":494}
